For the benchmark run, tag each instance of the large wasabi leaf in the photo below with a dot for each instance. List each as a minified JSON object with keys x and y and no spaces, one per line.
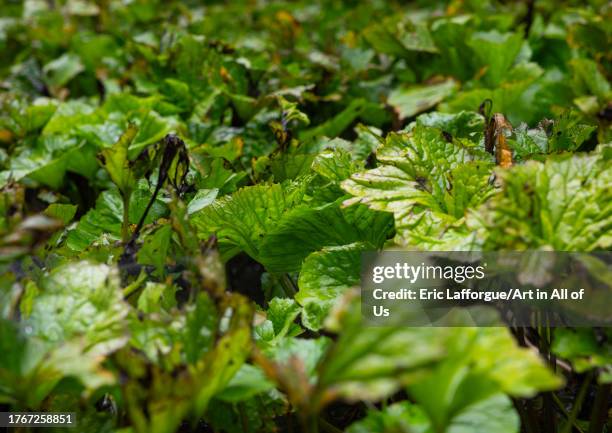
{"x":480,"y":363}
{"x":30,"y":368}
{"x":451,"y":35}
{"x":425,"y":180}
{"x":304,"y":230}
{"x":399,"y":37}
{"x":409,"y":101}
{"x":370,"y":363}
{"x":334,"y":165}
{"x":214,"y":356}
{"x":568,"y":133}
{"x":495,"y":414}
{"x":80,"y":299}
{"x":496,"y":51}
{"x":445,"y":371}
{"x":465,"y":124}
{"x":325,"y":276}
{"x":511,"y":97}
{"x":244,"y":218}
{"x":47,"y":161}
{"x":564,"y":203}
{"x":589,"y":80}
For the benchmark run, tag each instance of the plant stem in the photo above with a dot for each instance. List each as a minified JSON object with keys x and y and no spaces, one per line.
{"x":125,"y":224}
{"x":565,"y":413}
{"x":288,"y":285}
{"x":599,"y":414}
{"x":571,"y":420}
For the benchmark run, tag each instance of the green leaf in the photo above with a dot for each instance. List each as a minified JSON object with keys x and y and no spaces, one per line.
{"x":157,"y":334}
{"x":425,"y":181}
{"x":156,"y":296}
{"x":245,"y":217}
{"x":281,"y":315}
{"x":325,"y":276}
{"x":496,"y":51}
{"x":334,"y":126}
{"x":290,"y":112}
{"x":568,"y":133}
{"x":115,"y":160}
{"x":304,"y":230}
{"x":589,"y":80}
{"x":305,"y":354}
{"x":495,"y":415}
{"x":528,"y":142}
{"x":46,"y":162}
{"x":225,"y":359}
{"x":62,"y":212}
{"x":80,"y":299}
{"x":104,"y":218}
{"x":248,"y":382}
{"x":254,"y":415}
{"x":63,"y":69}
{"x":31,"y":369}
{"x":334,"y":165}
{"x":399,"y":38}
{"x":402,"y":417}
{"x":411,"y":100}
{"x":451,"y":35}
{"x":480,"y":363}
{"x":154,"y":251}
{"x":200,"y":328}
{"x":102,"y":224}
{"x":68,"y":115}
{"x":582,"y":348}
{"x":563,"y":204}
{"x":465,"y":124}
{"x":371,"y":363}
{"x":511,"y":97}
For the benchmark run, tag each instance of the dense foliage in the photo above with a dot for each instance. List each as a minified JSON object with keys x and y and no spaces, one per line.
{"x":186,"y":191}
